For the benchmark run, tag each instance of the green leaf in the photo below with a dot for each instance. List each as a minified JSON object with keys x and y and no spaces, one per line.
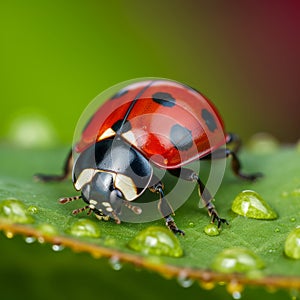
{"x":266,"y":238}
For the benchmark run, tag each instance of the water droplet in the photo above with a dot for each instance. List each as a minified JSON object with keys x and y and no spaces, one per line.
{"x":295,"y":192}
{"x":46,"y":230}
{"x":191,"y":224}
{"x":293,"y":219}
{"x":14,"y":211}
{"x":294,"y":294}
{"x":211,"y":230}
{"x":32,"y":209}
{"x":235,"y":289}
{"x":263,"y":143}
{"x":114,"y":261}
{"x":184,"y":280}
{"x":251,"y":205}
{"x":284,"y":194}
{"x":292,"y":244}
{"x":9,"y":234}
{"x":109,"y":241}
{"x":30,"y":129}
{"x":158,"y":241}
{"x":57,"y":247}
{"x":239,"y":260}
{"x":30,"y":239}
{"x":85,"y":227}
{"x":41,"y":240}
{"x":207,"y":285}
{"x":96,"y":254}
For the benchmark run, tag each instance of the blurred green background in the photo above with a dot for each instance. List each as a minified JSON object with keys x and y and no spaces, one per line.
{"x":56,"y":56}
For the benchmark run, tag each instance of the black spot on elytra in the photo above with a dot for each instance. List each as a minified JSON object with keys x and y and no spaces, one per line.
{"x":164,"y":99}
{"x":119,"y":94}
{"x":117,"y":126}
{"x":181,"y":137}
{"x":209,"y":120}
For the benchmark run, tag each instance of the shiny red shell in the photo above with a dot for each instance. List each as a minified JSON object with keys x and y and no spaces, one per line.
{"x":169,"y":123}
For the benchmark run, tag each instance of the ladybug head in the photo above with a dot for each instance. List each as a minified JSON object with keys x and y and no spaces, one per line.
{"x":109,"y":173}
{"x":105,"y":191}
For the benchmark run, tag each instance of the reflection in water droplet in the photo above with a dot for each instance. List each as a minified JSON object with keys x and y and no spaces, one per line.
{"x":30,"y":239}
{"x":212,"y":230}
{"x":191,"y":224}
{"x":14,"y":211}
{"x":240,"y":260}
{"x":32,"y":209}
{"x":114,"y":261}
{"x":158,"y":241}
{"x":85,"y":228}
{"x":184,"y":281}
{"x":57,"y":247}
{"x":292,"y":244}
{"x":251,"y":205}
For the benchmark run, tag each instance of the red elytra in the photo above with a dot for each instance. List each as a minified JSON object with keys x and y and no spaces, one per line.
{"x":169,"y":123}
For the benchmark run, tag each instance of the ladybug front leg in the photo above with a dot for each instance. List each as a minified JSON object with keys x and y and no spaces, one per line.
{"x":190,"y":175}
{"x":67,"y":169}
{"x":165,"y":208}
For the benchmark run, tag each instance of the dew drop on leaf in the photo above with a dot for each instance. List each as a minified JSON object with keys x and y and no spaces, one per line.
{"x":211,"y":230}
{"x":184,"y":280}
{"x":158,"y":241}
{"x":237,"y":260}
{"x":46,"y":230}
{"x":250,"y":204}
{"x":84,"y":228}
{"x":235,"y":289}
{"x":207,"y":285}
{"x":14,"y":211}
{"x":263,"y":143}
{"x":32,"y":209}
{"x":30,"y":239}
{"x":292,"y":244}
{"x":9,"y":234}
{"x":115,"y":263}
{"x":57,"y":247}
{"x":191,"y":224}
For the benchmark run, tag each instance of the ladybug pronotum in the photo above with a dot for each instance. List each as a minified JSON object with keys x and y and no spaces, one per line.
{"x":146,"y":125}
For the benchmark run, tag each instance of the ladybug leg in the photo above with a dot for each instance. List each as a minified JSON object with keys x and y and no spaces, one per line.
{"x":190,"y":175}
{"x":165,"y":208}
{"x":236,"y":165}
{"x":67,"y":169}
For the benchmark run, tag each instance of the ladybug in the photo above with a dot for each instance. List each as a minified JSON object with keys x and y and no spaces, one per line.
{"x":149,"y":124}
